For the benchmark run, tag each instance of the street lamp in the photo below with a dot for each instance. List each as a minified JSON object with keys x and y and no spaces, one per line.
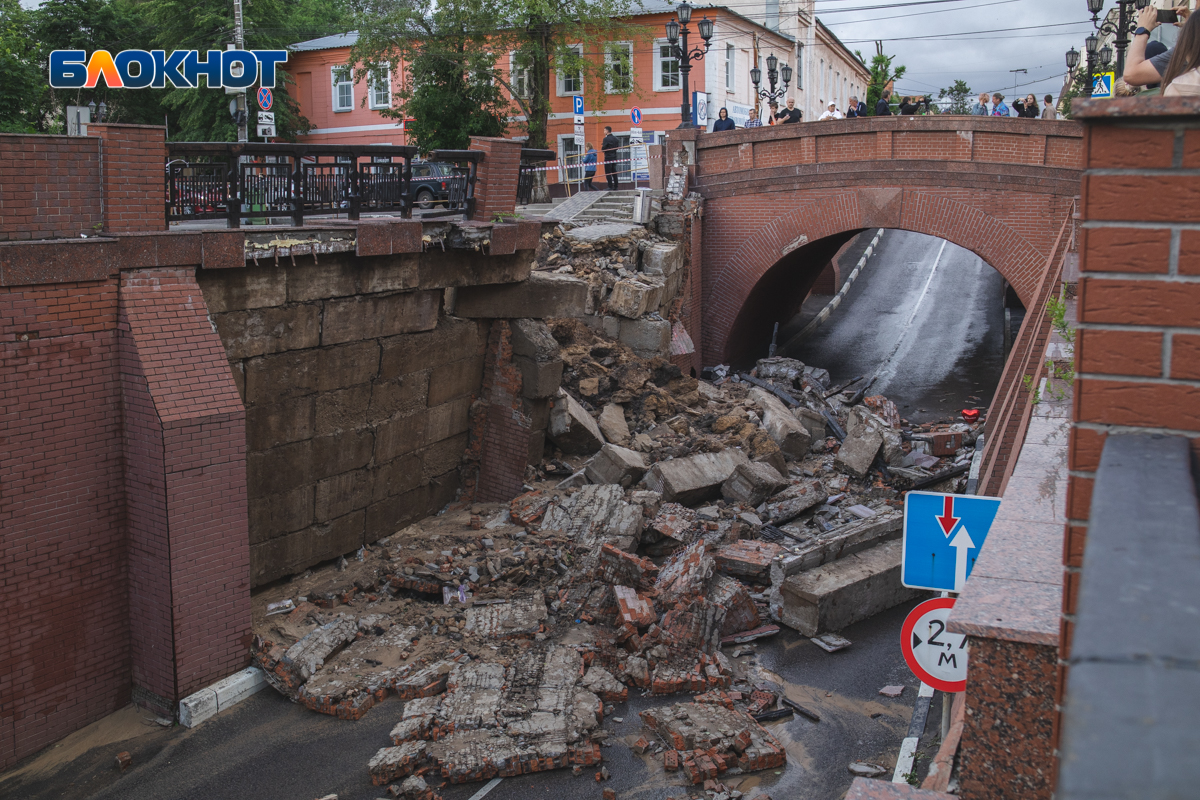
{"x":677,"y":38}
{"x":1106,"y":54}
{"x":1090,"y":45}
{"x":773,"y":76}
{"x":1072,"y":58}
{"x":1120,"y":31}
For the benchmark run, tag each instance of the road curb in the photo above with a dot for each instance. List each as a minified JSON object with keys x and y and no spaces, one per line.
{"x":197,"y":707}
{"x":824,"y":313}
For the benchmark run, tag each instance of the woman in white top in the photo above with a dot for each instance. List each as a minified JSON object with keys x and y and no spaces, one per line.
{"x":1183,"y":71}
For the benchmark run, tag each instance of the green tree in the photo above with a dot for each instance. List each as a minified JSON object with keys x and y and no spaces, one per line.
{"x":448,"y":89}
{"x":882,"y":76}
{"x":960,"y":98}
{"x":21,"y":83}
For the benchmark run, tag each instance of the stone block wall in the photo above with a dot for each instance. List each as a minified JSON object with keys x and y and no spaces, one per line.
{"x":357,"y":391}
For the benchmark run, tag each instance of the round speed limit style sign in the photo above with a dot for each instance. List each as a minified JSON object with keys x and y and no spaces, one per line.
{"x":937,"y":657}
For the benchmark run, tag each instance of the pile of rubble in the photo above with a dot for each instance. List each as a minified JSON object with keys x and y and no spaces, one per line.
{"x":672,"y":518}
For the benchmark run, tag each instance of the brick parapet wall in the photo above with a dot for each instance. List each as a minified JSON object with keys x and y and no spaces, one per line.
{"x":66,"y":659}
{"x":1138,"y":343}
{"x":49,"y":186}
{"x":496,"y":179}
{"x":132,"y":159}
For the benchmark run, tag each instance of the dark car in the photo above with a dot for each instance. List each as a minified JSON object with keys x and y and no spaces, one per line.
{"x":432,"y":182}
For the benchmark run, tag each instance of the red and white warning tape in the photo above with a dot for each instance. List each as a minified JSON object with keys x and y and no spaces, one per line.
{"x":577,"y":164}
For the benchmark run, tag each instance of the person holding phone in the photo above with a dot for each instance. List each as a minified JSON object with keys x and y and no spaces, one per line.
{"x":1183,"y":73}
{"x":1142,"y":71}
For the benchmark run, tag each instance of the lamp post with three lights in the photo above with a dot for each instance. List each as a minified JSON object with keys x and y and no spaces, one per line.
{"x":677,"y":38}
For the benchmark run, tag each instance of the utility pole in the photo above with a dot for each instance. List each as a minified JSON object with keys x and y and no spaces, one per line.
{"x":239,"y":40}
{"x":1014,"y":74}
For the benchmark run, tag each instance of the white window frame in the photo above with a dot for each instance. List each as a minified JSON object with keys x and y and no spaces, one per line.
{"x":373,"y":89}
{"x":560,"y":84}
{"x":348,"y":71}
{"x":518,"y":77}
{"x":609,"y":87}
{"x":658,"y":71}
{"x":730,"y":64}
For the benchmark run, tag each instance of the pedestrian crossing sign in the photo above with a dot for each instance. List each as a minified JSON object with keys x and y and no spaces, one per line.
{"x":1102,"y":84}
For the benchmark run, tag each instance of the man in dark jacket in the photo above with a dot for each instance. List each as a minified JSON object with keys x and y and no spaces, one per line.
{"x":610,"y":145}
{"x":883,"y":107}
{"x":856,"y":109}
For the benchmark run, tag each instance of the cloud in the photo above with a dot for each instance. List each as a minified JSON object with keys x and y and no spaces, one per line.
{"x":983,"y":61}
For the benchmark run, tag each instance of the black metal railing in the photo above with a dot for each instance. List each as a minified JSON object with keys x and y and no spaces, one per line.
{"x":236,"y":181}
{"x":532,"y":160}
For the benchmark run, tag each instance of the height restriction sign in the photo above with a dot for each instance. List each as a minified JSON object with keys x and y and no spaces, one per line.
{"x":938,"y":658}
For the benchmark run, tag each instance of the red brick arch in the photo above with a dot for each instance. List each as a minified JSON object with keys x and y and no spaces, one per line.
{"x":779,"y":201}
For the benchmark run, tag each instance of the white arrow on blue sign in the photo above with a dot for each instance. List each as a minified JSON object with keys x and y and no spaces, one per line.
{"x":578,"y":101}
{"x":943,"y":534}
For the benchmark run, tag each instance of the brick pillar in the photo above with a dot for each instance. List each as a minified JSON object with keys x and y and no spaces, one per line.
{"x":132,"y":163}
{"x":496,"y":178}
{"x":1138,"y":348}
{"x":184,"y":442}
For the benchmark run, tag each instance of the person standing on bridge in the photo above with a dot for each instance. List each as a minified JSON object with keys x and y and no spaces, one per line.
{"x":998,"y":107}
{"x":789,"y":114}
{"x":830,"y":113}
{"x":980,"y":109}
{"x":1049,"y":111}
{"x":723,"y":122}
{"x":610,"y":145}
{"x":856,"y":109}
{"x":1182,"y":77}
{"x":1027,"y":108}
{"x":884,"y":107}
{"x":754,"y":121}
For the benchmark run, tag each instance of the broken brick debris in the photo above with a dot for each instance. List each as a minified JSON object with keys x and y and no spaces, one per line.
{"x":711,"y":739}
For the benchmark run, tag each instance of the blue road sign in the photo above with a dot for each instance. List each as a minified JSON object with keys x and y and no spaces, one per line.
{"x":1102,"y":84}
{"x":264,"y":98}
{"x":578,"y":99}
{"x":636,"y":115}
{"x":943,"y":534}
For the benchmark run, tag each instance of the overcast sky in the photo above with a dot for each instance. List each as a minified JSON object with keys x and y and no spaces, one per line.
{"x":983,"y":60}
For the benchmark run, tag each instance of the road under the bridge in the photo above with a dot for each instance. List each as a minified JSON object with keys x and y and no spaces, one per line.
{"x":925,"y":317}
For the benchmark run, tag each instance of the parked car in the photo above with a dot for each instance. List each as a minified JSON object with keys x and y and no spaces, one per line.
{"x":431,"y":182}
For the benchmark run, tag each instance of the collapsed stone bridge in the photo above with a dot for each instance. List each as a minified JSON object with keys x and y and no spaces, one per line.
{"x":780,"y":201}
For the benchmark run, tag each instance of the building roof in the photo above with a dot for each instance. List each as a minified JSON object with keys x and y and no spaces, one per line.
{"x":671,"y":6}
{"x":328,"y":42}
{"x":850,"y":56}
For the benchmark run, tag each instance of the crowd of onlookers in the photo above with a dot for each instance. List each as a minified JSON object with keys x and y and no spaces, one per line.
{"x":887,"y":105}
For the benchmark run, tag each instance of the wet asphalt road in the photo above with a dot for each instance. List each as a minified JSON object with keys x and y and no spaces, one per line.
{"x":269,"y":749}
{"x":926,"y":315}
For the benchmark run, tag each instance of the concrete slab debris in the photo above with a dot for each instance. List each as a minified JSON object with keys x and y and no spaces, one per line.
{"x":616,"y":465}
{"x":519,"y":619}
{"x":748,"y":559}
{"x":696,"y":478}
{"x":789,"y":433}
{"x":612,"y":424}
{"x":846,"y":591}
{"x":751,"y":484}
{"x":571,"y":428}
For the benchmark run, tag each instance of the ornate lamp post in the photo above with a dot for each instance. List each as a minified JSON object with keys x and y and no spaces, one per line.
{"x":773,"y":75}
{"x":1120,"y":31}
{"x":677,"y":31}
{"x":1090,"y":45}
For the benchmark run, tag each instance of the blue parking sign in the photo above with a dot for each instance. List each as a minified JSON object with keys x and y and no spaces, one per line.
{"x":578,"y":100}
{"x":943,"y":534}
